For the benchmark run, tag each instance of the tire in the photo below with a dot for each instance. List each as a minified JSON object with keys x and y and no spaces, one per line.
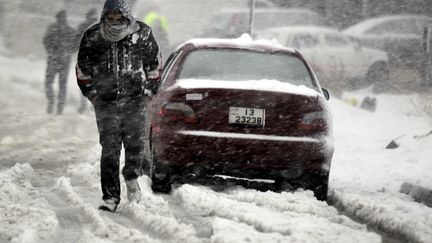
{"x":378,"y":75}
{"x":283,"y":185}
{"x":159,"y":185}
{"x":318,"y":183}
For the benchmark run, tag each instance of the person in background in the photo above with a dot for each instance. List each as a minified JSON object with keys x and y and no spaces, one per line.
{"x":59,"y":45}
{"x":117,"y":69}
{"x":159,"y":25}
{"x":90,"y":20}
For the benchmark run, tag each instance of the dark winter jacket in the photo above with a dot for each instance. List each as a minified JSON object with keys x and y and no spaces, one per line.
{"x":59,"y":41}
{"x":107,"y":71}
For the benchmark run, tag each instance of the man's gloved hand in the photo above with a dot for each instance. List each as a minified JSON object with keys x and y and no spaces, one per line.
{"x":153,"y":76}
{"x":153,"y":79}
{"x":148,"y":93}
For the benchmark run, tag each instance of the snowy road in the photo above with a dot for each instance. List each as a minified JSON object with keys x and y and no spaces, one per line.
{"x":49,"y":181}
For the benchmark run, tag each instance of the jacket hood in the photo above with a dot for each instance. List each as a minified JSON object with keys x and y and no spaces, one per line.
{"x":117,"y":5}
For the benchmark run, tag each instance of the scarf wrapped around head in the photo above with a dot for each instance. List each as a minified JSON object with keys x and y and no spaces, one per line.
{"x":114,"y":31}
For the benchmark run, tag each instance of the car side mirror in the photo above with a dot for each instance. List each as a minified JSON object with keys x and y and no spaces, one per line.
{"x":326,"y":94}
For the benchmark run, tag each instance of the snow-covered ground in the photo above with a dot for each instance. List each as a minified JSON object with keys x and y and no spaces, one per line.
{"x":49,"y":180}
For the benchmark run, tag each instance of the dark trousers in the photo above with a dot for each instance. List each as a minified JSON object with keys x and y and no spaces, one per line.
{"x":60,"y":67}
{"x":120,"y":123}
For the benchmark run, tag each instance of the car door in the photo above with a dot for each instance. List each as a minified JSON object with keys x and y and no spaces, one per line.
{"x":307,"y":45}
{"x":352,"y":62}
{"x":400,"y":38}
{"x":320,"y":57}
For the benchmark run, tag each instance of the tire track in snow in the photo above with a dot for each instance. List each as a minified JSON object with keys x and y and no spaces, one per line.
{"x":290,"y":202}
{"x":267,"y":219}
{"x":282,"y":202}
{"x":167,"y":227}
{"x":392,"y":213}
{"x":152,"y":213}
{"x":103,"y":227}
{"x":24,"y":215}
{"x":155,"y":214}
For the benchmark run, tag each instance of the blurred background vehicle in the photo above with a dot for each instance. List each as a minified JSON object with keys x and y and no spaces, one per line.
{"x":190,"y":18}
{"x":232,"y":23}
{"x":399,"y":35}
{"x":236,"y":103}
{"x":338,"y":61}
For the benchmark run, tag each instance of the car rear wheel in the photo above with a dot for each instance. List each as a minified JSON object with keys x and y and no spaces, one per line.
{"x":161,"y":186}
{"x":161,"y":179}
{"x":318,"y":183}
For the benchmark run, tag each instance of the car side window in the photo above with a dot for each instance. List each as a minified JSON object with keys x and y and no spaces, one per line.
{"x":336,"y":41}
{"x":400,"y":26}
{"x":170,"y":63}
{"x":304,"y":41}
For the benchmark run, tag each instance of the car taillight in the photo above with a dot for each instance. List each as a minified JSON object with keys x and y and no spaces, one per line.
{"x":315,"y":121}
{"x":177,"y":112}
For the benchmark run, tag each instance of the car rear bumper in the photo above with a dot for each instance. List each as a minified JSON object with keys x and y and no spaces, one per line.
{"x":238,"y":154}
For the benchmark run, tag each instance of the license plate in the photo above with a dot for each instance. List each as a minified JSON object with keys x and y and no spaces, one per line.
{"x":247,"y":116}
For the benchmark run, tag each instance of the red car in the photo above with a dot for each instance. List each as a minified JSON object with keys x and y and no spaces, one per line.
{"x":240,"y":108}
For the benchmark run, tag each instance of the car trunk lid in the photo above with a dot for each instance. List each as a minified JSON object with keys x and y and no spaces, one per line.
{"x":258,"y":107}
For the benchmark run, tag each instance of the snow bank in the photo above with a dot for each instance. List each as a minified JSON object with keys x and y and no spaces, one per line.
{"x":24,"y":216}
{"x":361,"y":160}
{"x":259,"y":85}
{"x":271,"y":216}
{"x":366,"y":178}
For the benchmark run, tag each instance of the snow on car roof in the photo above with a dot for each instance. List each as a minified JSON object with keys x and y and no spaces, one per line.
{"x":259,"y":85}
{"x":245,"y":41}
{"x":360,"y":28}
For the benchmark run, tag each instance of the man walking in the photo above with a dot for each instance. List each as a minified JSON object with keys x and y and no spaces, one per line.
{"x":59,"y":44}
{"x":117,"y":66}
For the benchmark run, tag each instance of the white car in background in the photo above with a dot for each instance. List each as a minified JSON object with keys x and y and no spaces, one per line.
{"x":232,"y":23}
{"x":338,"y":61}
{"x":399,"y":35}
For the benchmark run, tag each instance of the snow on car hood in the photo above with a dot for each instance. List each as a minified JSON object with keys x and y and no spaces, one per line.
{"x":260,"y":85}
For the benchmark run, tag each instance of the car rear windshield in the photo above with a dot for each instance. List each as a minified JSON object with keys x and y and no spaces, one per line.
{"x":243,"y":65}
